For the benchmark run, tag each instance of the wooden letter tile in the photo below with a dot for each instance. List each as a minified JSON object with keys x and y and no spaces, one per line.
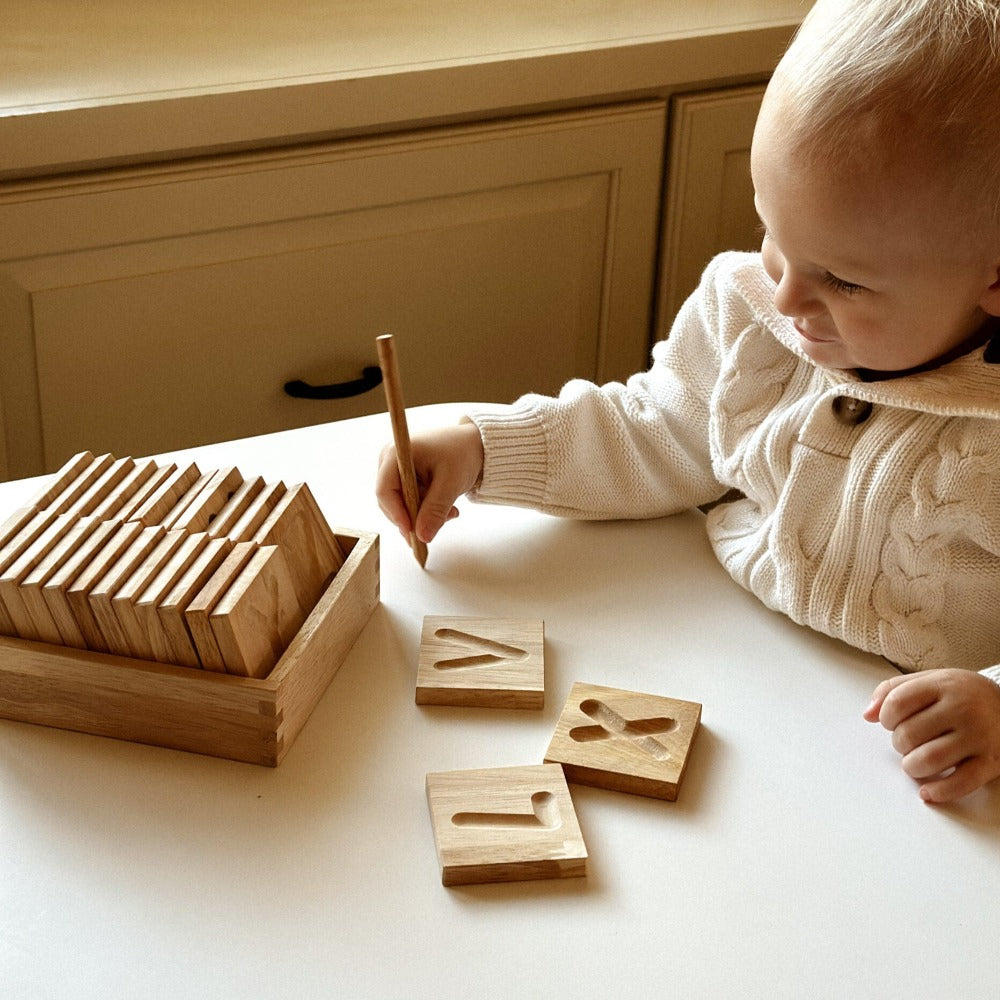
{"x":212,"y":497}
{"x":183,"y":502}
{"x":55,"y":591}
{"x":45,"y":627}
{"x":14,"y":575}
{"x":62,"y":479}
{"x":81,"y":484}
{"x":124,"y":602}
{"x":255,"y":513}
{"x":485,"y":662}
{"x":203,"y":603}
{"x":102,"y":593}
{"x":146,"y":607}
{"x":124,"y":491}
{"x":625,"y":741}
{"x":78,"y":592}
{"x":258,"y":616}
{"x":143,"y":491}
{"x":309,"y":546}
{"x":167,"y":494}
{"x":102,"y":487}
{"x":172,"y":607}
{"x":223,"y":522}
{"x":505,"y":824}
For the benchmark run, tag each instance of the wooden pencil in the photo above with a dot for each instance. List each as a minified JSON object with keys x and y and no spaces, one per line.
{"x":401,"y":436}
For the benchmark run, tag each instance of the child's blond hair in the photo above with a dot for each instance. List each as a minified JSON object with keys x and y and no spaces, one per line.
{"x":918,"y":78}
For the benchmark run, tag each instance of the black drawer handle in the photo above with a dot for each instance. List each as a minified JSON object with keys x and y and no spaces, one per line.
{"x":371,"y":376}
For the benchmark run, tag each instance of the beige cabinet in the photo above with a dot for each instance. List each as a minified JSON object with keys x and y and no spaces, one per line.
{"x":709,"y":204}
{"x":155,"y":307}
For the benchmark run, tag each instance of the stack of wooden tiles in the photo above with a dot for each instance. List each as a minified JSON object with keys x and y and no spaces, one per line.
{"x":166,"y":564}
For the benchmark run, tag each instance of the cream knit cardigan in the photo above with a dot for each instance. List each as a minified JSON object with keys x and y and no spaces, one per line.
{"x":884,"y":533}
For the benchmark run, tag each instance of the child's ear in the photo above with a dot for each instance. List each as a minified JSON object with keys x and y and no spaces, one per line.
{"x":990,"y":302}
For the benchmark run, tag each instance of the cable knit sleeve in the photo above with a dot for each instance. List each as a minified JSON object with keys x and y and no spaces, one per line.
{"x":633,"y":450}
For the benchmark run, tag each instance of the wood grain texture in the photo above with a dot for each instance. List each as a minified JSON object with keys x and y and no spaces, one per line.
{"x":238,"y":718}
{"x":144,"y":490}
{"x":102,"y":487}
{"x":61,"y":479}
{"x":505,"y":824}
{"x":13,"y":577}
{"x":100,"y":596}
{"x":308,"y":543}
{"x":171,"y":609}
{"x":130,"y":486}
{"x":184,"y":501}
{"x":10,"y":527}
{"x":202,"y":604}
{"x":55,"y":591}
{"x":256,"y":512}
{"x":210,"y":499}
{"x":624,"y":740}
{"x":137,"y":592}
{"x":78,"y":486}
{"x":123,"y":603}
{"x":226,"y":519}
{"x":481,"y":662}
{"x":45,"y":628}
{"x":78,"y":592}
{"x":146,"y":607}
{"x":258,"y":615}
{"x":166,"y":495}
{"x":392,"y":383}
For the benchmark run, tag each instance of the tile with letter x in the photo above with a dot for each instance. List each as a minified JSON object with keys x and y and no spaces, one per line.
{"x":505,"y":824}
{"x":625,"y":741}
{"x":481,"y":662}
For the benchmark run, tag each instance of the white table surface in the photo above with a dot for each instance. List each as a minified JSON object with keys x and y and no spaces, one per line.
{"x":797,"y":862}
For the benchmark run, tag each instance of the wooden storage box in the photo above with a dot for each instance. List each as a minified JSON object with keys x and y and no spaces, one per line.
{"x":241,"y":718}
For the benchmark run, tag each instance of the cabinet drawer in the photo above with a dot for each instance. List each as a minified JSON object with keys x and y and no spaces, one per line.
{"x":150,"y":309}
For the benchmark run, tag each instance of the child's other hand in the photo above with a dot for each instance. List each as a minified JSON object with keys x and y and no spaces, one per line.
{"x":946,"y":726}
{"x":448,"y":463}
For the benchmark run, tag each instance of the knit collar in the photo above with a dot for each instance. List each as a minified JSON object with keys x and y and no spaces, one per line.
{"x":966,"y":386}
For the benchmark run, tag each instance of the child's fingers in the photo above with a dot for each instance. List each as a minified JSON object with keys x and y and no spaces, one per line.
{"x":905,"y":697}
{"x":389,"y":490}
{"x":437,"y":507}
{"x":935,"y":756}
{"x":871,"y":713}
{"x":964,"y":780}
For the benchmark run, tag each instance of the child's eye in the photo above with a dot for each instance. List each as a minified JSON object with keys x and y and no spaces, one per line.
{"x":839,"y":285}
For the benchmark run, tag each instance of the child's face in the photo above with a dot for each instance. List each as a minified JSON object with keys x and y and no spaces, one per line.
{"x":862,"y":261}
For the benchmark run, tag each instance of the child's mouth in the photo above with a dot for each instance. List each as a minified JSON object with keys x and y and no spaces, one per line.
{"x":808,"y":336}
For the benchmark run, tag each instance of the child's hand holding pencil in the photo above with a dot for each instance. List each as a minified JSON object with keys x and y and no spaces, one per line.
{"x":419,"y":480}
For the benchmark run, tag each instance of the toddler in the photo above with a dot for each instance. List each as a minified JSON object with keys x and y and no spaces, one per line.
{"x":839,"y":389}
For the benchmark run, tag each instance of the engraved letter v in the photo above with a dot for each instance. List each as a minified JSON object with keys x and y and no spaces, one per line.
{"x":489,"y":652}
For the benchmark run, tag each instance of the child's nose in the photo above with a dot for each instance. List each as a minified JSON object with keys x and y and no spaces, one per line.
{"x":795,"y":295}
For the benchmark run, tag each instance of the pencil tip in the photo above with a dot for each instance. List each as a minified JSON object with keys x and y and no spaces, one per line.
{"x":419,"y":550}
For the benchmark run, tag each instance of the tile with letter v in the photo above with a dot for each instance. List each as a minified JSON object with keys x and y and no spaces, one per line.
{"x":505,"y":824}
{"x":625,"y":741}
{"x":481,"y":662}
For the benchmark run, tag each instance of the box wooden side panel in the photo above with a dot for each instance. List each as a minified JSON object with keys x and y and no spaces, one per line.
{"x":315,"y":654}
{"x":138,"y":700}
{"x":221,"y":715}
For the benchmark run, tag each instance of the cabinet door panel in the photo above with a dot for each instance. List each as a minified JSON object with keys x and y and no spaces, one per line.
{"x":710,"y":199}
{"x":504,"y":259}
{"x":500,"y":300}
